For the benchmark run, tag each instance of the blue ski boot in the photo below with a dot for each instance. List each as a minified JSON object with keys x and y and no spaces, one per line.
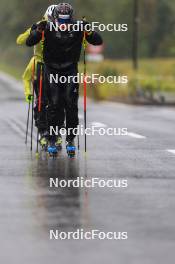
{"x":70,"y":146}
{"x":52,"y":150}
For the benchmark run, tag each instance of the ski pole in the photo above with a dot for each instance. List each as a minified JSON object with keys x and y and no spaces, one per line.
{"x":78,"y":142}
{"x":40,"y":101}
{"x":33,"y":95}
{"x":40,"y":95}
{"x":27,"y":125}
{"x":78,"y":136}
{"x":85,"y":86}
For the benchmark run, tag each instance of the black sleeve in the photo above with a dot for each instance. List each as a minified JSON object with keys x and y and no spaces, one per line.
{"x":34,"y":38}
{"x":94,"y":38}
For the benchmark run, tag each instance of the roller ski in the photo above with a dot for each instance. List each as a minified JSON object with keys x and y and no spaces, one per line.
{"x":70,"y":147}
{"x":54,"y":147}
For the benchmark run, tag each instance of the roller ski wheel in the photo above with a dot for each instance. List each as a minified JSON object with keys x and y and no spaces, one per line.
{"x":70,"y":147}
{"x":52,"y":151}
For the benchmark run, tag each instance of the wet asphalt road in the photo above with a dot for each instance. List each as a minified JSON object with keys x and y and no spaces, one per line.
{"x":146,"y":209}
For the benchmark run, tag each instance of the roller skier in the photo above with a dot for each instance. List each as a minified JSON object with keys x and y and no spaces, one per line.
{"x":61,"y":54}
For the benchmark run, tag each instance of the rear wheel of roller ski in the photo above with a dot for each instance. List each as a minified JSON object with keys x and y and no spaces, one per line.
{"x":71,"y":149}
{"x":52,"y":151}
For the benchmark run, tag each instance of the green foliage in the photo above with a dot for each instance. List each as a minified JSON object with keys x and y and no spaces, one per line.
{"x":154,"y":76}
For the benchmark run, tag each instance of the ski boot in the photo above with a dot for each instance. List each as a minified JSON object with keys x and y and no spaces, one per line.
{"x":70,"y":146}
{"x":52,"y":148}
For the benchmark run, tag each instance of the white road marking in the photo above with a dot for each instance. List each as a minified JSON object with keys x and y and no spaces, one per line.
{"x":20,"y":128}
{"x":171,"y":151}
{"x":134,"y":135}
{"x":98,"y":124}
{"x":15,"y":128}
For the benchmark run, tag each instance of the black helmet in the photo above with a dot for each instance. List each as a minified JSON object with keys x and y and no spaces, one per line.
{"x":63,"y":12}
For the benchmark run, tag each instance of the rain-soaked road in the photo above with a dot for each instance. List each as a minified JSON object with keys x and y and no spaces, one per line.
{"x":145,"y":209}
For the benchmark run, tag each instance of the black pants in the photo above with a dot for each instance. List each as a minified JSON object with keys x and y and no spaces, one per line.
{"x":62,"y":99}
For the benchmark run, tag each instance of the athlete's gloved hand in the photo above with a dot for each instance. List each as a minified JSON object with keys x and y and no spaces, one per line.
{"x":41,"y":26}
{"x":29,"y":98}
{"x":33,"y":27}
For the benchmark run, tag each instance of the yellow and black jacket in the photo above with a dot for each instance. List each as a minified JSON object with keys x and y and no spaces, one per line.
{"x":38,"y":57}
